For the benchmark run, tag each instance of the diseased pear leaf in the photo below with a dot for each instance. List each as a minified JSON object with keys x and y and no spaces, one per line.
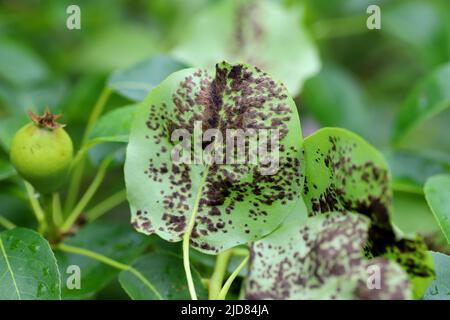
{"x":322,"y":258}
{"x":259,"y":32}
{"x":237,"y":202}
{"x":345,"y":173}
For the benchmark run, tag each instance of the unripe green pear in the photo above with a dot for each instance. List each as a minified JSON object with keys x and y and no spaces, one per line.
{"x":42,"y":152}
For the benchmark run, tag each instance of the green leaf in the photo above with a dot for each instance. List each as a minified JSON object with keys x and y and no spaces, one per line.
{"x":412,"y":215}
{"x":115,"y":241}
{"x":8,"y":128}
{"x":163,"y":272}
{"x":137,"y":81}
{"x":28,"y":269}
{"x":437,"y":193}
{"x":6,"y":169}
{"x":110,"y":134}
{"x":20,"y":66}
{"x":428,"y":99}
{"x":411,"y":169}
{"x":335,"y":98}
{"x":236,"y":202}
{"x":439,"y":289}
{"x":115,"y":47}
{"x":262,"y":33}
{"x":36,"y":97}
{"x":321,"y":258}
{"x":114,"y":126}
{"x":345,"y":173}
{"x":427,"y":21}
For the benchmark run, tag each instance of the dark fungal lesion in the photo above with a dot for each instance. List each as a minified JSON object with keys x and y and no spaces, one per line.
{"x":325,"y":252}
{"x":373,"y":200}
{"x":236,"y":97}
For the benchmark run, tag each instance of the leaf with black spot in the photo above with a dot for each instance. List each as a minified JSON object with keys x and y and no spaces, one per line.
{"x":236,"y":202}
{"x":345,"y":173}
{"x":321,"y":257}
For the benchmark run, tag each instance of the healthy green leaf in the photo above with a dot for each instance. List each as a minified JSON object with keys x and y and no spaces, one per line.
{"x":261,"y":33}
{"x":236,"y":202}
{"x":112,"y":240}
{"x":427,"y":21}
{"x":439,"y":289}
{"x":114,"y":126}
{"x":163,"y":272}
{"x":321,"y":258}
{"x":437,"y":193}
{"x":19,"y":65}
{"x":28,"y":269}
{"x":335,"y":98}
{"x":115,"y":47}
{"x":9,"y":127}
{"x":410,"y":170}
{"x":6,"y":169}
{"x":137,"y":81}
{"x":345,"y":173}
{"x":429,"y":98}
{"x":412,"y":215}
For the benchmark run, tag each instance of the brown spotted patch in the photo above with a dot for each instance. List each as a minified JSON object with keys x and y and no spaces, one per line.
{"x":345,"y":173}
{"x":321,"y":258}
{"x":238,"y":202}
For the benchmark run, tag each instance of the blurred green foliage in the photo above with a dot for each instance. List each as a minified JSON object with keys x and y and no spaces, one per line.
{"x":367,"y":80}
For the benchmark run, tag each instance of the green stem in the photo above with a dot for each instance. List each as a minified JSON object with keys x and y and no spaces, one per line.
{"x":77,"y":174}
{"x":243,"y":252}
{"x":5,"y":223}
{"x":79,"y":157}
{"x":106,"y":205}
{"x":223,"y":292}
{"x":218,"y":275}
{"x":56,"y":210}
{"x":108,"y":261}
{"x":73,"y":216}
{"x":187,"y":236}
{"x":37,"y":209}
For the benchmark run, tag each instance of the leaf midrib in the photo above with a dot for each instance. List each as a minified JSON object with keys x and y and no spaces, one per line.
{"x":2,"y":247}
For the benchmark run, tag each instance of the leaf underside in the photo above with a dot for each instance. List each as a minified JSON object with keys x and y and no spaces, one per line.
{"x":238,"y":203}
